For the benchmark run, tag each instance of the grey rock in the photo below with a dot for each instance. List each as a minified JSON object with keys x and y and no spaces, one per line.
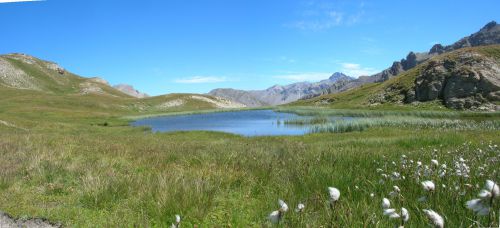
{"x":410,"y":61}
{"x":437,"y":49}
{"x":470,"y":81}
{"x":7,"y":221}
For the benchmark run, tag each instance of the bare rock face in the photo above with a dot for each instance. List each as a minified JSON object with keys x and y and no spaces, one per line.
{"x":437,"y":49}
{"x":470,"y":81}
{"x":429,"y":86}
{"x":410,"y":61}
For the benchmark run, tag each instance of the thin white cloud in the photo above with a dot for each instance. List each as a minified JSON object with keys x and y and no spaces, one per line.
{"x":356,"y":70}
{"x":200,"y":80}
{"x":319,"y":15}
{"x":11,"y":1}
{"x":300,"y":77}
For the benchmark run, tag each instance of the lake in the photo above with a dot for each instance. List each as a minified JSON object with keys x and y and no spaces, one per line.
{"x":246,"y":123}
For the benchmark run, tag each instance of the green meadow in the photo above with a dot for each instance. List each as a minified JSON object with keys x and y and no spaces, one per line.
{"x":85,"y":166}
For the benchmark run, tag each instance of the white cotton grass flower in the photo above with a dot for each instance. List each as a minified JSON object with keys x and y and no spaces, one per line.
{"x":372,"y":195}
{"x":334,"y":194}
{"x":386,"y":204}
{"x":395,"y":192}
{"x":484,"y":194}
{"x":276,"y":216}
{"x":283,"y":206}
{"x":405,"y":215}
{"x":428,"y":186}
{"x":493,"y":188}
{"x":177,"y":222}
{"x":482,"y":205}
{"x":478,"y":207}
{"x":391,"y":213}
{"x":300,"y":208}
{"x":435,"y":162}
{"x":434,"y":218}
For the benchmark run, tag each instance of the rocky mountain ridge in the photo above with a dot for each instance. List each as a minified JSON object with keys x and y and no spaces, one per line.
{"x":489,"y":34}
{"x":279,"y":94}
{"x":463,"y":79}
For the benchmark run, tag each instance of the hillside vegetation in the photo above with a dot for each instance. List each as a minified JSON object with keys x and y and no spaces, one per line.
{"x":482,"y":63}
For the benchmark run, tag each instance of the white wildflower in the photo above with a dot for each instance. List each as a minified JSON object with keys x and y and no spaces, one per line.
{"x":405,"y":215}
{"x":428,"y":186}
{"x":300,"y":208}
{"x":435,"y":162}
{"x":334,"y":194}
{"x":275,"y":217}
{"x":493,"y":188}
{"x":435,"y":218}
{"x":177,"y":222}
{"x":386,"y":204}
{"x":391,"y":213}
{"x":283,"y":206}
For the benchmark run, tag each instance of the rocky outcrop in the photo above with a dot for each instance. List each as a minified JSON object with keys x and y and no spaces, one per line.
{"x":469,"y":81}
{"x":489,"y":34}
{"x":437,"y":49}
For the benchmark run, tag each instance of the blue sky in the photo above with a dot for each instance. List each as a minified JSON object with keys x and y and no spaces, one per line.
{"x":194,"y":46}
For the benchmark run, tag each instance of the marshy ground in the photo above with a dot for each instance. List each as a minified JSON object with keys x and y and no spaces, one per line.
{"x":86,"y":173}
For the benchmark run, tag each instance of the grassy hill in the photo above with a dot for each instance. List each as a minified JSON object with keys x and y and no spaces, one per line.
{"x":391,"y":94}
{"x":34,"y":90}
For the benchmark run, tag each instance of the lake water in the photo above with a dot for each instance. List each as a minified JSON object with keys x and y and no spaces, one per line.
{"x":247,"y":123}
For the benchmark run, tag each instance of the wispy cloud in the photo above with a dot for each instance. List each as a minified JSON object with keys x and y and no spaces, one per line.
{"x":319,"y":15}
{"x":356,"y":70}
{"x":10,"y":1}
{"x":300,"y":77}
{"x":200,"y":80}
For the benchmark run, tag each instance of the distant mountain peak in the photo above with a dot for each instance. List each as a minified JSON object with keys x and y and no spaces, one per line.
{"x":130,"y":90}
{"x":490,"y":25}
{"x":337,"y":75}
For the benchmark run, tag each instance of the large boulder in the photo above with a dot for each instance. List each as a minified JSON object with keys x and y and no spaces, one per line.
{"x":429,"y":85}
{"x":468,"y":81}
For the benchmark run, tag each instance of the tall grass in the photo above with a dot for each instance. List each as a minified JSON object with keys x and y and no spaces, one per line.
{"x":361,"y":124}
{"x":307,"y":121}
{"x":308,"y":111}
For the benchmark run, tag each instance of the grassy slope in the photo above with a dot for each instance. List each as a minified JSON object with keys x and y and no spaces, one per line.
{"x":62,"y":163}
{"x":359,"y":97}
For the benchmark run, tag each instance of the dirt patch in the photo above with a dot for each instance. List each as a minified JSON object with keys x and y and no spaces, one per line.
{"x":7,"y":221}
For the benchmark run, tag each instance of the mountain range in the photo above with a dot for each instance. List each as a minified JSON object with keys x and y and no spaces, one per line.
{"x":464,"y":79}
{"x":463,"y":75}
{"x":276,"y":95}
